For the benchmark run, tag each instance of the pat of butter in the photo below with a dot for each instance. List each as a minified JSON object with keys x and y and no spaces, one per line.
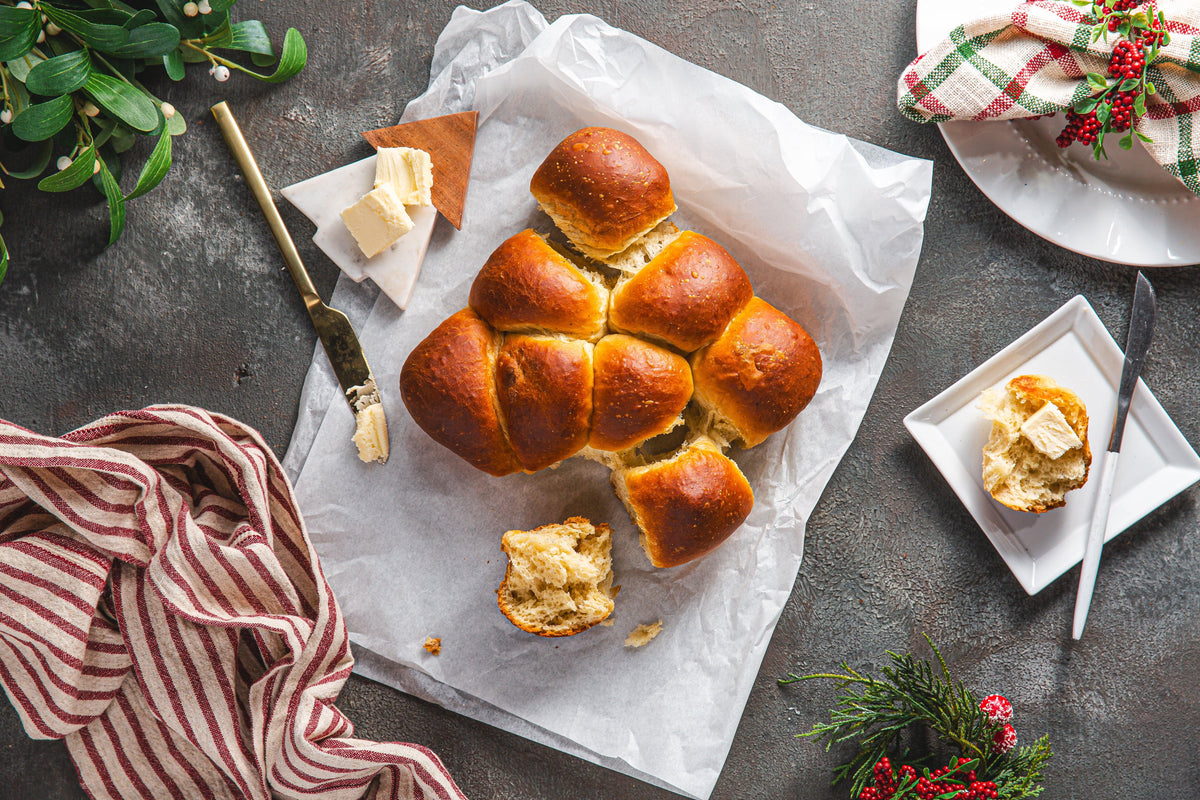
{"x":377,"y":220}
{"x":408,"y":170}
{"x":1049,"y":431}
{"x":371,"y":434}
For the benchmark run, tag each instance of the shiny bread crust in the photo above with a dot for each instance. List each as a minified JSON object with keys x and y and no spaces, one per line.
{"x":639,"y":391}
{"x":527,"y":287}
{"x":447,"y":386}
{"x":603,"y":190}
{"x":762,"y":371}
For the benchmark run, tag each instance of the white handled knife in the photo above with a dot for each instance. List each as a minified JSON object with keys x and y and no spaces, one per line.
{"x":1141,"y":330}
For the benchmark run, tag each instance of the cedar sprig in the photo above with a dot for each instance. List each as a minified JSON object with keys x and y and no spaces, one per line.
{"x":873,"y":712}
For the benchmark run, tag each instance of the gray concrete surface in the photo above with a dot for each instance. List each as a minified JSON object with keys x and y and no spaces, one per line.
{"x":192,"y":306}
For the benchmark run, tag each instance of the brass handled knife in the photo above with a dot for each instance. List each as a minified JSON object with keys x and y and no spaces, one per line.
{"x":333,"y":328}
{"x":1141,"y":330}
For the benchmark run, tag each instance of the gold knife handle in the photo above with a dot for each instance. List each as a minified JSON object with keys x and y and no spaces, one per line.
{"x":262,"y":193}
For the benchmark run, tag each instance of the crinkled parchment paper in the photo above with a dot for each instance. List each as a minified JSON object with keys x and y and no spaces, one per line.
{"x":829,"y":230}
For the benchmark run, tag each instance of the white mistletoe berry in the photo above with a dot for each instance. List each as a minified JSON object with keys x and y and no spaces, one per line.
{"x":23,"y":4}
{"x":41,"y":36}
{"x":191,"y":9}
{"x":96,"y":167}
{"x":89,"y":109}
{"x":53,"y":29}
{"x":220,"y":72}
{"x":6,"y":116}
{"x":204,"y":7}
{"x":997,"y":708}
{"x":62,"y":163}
{"x":168,"y":110}
{"x":1004,"y":740}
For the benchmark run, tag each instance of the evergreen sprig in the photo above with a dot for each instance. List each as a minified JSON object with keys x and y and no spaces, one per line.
{"x":71,"y":84}
{"x":874,"y":711}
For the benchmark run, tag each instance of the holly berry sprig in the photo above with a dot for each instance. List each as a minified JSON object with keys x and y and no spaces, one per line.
{"x":1119,"y":98}
{"x":875,"y":712}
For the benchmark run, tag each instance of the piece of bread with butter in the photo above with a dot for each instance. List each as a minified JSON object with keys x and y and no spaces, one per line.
{"x":1038,"y":448}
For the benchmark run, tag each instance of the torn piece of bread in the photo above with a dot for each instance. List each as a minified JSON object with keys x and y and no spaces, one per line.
{"x":559,"y":577}
{"x":642,"y":634}
{"x":1038,"y":448}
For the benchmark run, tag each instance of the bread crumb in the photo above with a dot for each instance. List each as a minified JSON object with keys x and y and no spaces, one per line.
{"x":608,"y":623}
{"x":433,"y":645}
{"x":642,"y":634}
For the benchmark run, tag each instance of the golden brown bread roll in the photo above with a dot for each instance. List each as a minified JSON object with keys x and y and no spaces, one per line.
{"x":1038,"y":448}
{"x":544,"y":386}
{"x":640,"y":390}
{"x":528,"y":287}
{"x":686,"y":505}
{"x":685,"y":296}
{"x":447,"y":386}
{"x":603,"y":190}
{"x":755,"y":379}
{"x":559,"y":577}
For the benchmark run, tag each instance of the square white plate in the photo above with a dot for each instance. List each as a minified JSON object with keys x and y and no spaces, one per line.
{"x":1073,"y":347}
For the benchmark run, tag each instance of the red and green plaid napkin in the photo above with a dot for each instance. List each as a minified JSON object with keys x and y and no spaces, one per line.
{"x":1034,"y":59}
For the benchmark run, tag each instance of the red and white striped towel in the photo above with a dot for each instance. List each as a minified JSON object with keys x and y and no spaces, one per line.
{"x":162,"y":610}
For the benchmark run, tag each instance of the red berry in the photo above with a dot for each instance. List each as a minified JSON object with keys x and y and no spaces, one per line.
{"x":997,"y":708}
{"x":1004,"y":740}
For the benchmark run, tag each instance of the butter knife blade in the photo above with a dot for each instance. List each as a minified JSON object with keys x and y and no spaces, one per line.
{"x":333,"y":328}
{"x":1141,"y":331}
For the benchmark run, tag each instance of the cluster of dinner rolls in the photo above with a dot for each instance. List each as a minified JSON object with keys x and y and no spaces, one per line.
{"x":1038,"y":448}
{"x":603,"y":356}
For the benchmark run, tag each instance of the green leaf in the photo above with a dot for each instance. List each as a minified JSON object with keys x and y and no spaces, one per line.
{"x":173,"y":64}
{"x":18,"y":31}
{"x":155,"y":168}
{"x":251,"y":37}
{"x":1096,"y":32}
{"x":60,"y":75}
{"x":219,"y":35}
{"x":38,"y":165}
{"x":107,"y":16}
{"x":172,"y":11}
{"x":221,"y":5}
{"x":1139,"y":105}
{"x":76,"y":175}
{"x":121,"y":100}
{"x":21,"y":67}
{"x":122,"y":139}
{"x":1086,"y":105}
{"x":3,"y":259}
{"x":1129,"y":84}
{"x":104,"y":129}
{"x":141,"y":18}
{"x":1126,"y":141}
{"x":1143,"y":136}
{"x":291,"y":59}
{"x":149,"y":41}
{"x":102,"y":36}
{"x":1103,"y":113}
{"x":177,"y":125}
{"x":116,"y":203}
{"x":1097,"y":80}
{"x":1151,"y":88}
{"x":42,"y":120}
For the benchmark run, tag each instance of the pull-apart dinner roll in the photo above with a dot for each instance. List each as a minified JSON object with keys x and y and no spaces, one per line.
{"x":685,"y":505}
{"x":685,"y":296}
{"x":603,"y":190}
{"x":640,"y":391}
{"x":448,"y":386}
{"x":559,"y":577}
{"x":755,"y":379}
{"x":528,"y":287}
{"x":545,"y":392}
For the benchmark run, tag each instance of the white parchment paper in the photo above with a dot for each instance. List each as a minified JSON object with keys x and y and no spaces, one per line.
{"x":828,"y":229}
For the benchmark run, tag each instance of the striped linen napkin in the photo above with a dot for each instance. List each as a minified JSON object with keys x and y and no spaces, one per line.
{"x":1033,"y":60}
{"x":162,"y":610}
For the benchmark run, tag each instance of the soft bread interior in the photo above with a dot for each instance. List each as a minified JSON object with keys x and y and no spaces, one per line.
{"x":644,"y":249}
{"x":559,"y":577}
{"x":1015,"y":472}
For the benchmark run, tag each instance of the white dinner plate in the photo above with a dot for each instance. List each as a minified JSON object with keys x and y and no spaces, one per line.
{"x":1073,"y":347}
{"x":1127,"y":210}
